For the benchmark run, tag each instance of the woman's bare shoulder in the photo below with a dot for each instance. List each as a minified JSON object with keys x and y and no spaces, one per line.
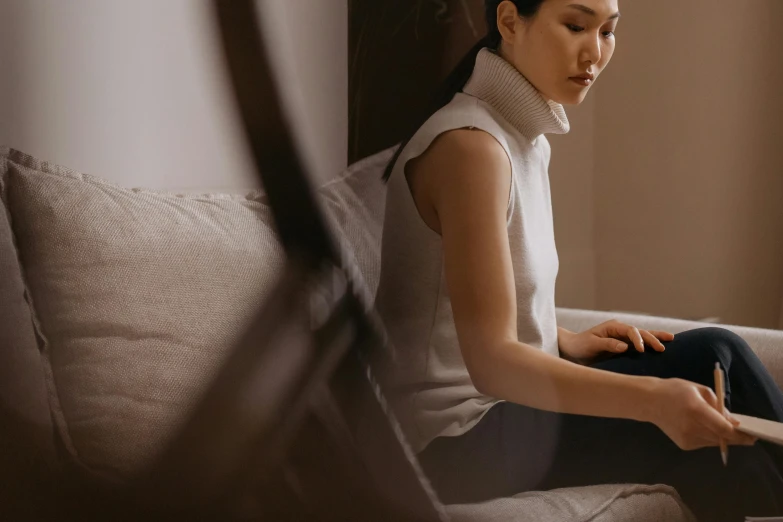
{"x":465,"y":147}
{"x":459,"y":164}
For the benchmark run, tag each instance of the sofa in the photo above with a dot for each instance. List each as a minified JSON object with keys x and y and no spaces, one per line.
{"x":118,"y":305}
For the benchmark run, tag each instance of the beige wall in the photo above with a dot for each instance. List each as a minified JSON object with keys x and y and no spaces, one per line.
{"x":689,"y":162}
{"x":134,"y":91}
{"x":310,"y":42}
{"x":572,"y":178}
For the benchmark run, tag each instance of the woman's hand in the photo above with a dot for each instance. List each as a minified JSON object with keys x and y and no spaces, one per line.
{"x":687,"y":413}
{"x":611,"y":336}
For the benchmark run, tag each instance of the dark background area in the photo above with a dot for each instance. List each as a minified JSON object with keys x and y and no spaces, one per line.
{"x":399,"y":52}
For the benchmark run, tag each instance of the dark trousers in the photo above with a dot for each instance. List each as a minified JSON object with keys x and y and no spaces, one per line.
{"x":515,"y":448}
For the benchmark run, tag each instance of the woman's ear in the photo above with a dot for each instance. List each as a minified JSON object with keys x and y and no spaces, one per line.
{"x":508,"y":16}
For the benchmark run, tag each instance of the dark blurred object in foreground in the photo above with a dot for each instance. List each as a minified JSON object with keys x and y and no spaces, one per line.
{"x":295,"y":426}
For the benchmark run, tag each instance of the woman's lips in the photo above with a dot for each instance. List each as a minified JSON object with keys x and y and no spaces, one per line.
{"x":585,"y":82}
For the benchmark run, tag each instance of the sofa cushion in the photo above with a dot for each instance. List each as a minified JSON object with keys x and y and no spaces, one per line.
{"x":22,"y":389}
{"x":138,"y":297}
{"x":355,"y":202}
{"x":26,"y":431}
{"x":604,"y":503}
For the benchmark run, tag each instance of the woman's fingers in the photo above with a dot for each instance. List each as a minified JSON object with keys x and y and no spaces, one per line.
{"x":744,"y":439}
{"x":652,"y":340}
{"x":710,"y":417}
{"x":722,"y":425}
{"x":624,"y":331}
{"x":714,"y":442}
{"x":636,"y":337}
{"x":615,"y":346}
{"x":663,"y":336}
{"x":717,"y":423}
{"x":629,"y":332}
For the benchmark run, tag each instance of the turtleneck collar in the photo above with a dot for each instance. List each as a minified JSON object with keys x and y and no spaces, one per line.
{"x":501,"y":85}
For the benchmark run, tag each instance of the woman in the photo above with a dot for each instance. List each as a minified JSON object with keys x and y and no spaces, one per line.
{"x":494,"y":397}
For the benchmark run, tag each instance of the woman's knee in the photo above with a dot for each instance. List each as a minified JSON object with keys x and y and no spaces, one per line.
{"x":724,"y":344}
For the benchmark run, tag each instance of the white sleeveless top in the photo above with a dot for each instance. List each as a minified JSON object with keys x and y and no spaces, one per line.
{"x":432,"y":393}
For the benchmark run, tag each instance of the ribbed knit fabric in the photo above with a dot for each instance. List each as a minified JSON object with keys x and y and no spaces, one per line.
{"x":499,"y":84}
{"x":432,"y":392}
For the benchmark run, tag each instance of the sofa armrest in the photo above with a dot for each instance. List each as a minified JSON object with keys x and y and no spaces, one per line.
{"x":767,"y":344}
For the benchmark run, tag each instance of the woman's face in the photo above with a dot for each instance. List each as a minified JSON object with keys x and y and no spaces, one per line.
{"x":563,"y":48}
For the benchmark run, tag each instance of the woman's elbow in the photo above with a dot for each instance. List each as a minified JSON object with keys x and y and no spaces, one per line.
{"x":480,"y":371}
{"x":488,"y":366}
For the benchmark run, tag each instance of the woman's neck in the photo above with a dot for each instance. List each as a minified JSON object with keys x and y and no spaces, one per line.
{"x":499,"y":84}
{"x":504,"y":53}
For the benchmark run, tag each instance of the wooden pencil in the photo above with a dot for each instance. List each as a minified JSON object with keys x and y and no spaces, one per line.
{"x":721,"y":394}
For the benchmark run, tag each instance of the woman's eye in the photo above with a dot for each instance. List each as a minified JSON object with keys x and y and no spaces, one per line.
{"x":608,"y":34}
{"x":575,"y":28}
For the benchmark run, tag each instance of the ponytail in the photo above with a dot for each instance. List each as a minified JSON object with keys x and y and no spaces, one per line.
{"x":453,"y":84}
{"x":461,"y":73}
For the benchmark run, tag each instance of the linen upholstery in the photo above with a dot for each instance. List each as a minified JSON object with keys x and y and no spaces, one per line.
{"x":604,"y":503}
{"x":355,"y":202}
{"x":22,"y":388}
{"x":138,"y":297}
{"x":27,"y":454}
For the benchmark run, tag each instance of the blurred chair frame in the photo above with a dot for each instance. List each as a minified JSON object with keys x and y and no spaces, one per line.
{"x":295,"y":425}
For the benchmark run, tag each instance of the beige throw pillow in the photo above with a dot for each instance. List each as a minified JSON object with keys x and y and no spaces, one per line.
{"x":138,"y":297}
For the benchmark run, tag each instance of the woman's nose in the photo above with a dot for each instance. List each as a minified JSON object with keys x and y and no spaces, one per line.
{"x":591,"y":50}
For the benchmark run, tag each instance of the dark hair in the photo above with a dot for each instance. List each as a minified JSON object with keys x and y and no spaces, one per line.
{"x":457,"y":79}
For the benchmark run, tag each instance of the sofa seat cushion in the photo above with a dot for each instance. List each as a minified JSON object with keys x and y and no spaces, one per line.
{"x":138,"y":296}
{"x":604,"y":503}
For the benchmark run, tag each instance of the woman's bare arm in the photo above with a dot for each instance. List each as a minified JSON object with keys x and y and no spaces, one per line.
{"x":461,"y":187}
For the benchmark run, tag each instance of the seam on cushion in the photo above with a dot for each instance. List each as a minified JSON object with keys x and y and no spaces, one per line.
{"x":633,"y":490}
{"x":28,"y":162}
{"x":361,"y":165}
{"x":52,"y":394}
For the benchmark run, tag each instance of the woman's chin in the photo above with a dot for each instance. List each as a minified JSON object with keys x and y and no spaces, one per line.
{"x":571,"y":97}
